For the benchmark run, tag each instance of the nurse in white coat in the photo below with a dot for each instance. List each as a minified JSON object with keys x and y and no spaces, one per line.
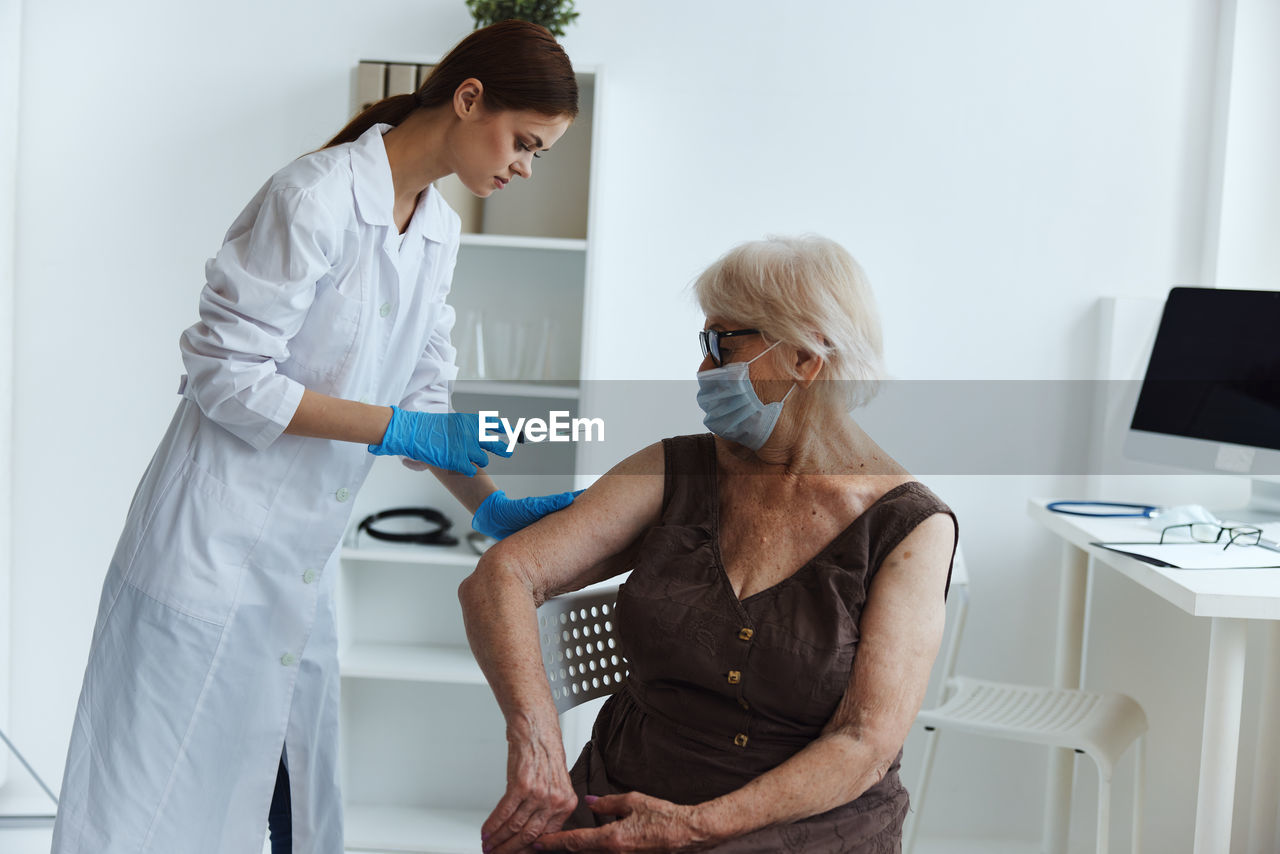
{"x":214,"y":651}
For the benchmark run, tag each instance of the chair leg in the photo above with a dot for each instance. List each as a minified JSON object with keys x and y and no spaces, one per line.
{"x":1104,"y":811}
{"x":1139,"y":791}
{"x":917,"y":797}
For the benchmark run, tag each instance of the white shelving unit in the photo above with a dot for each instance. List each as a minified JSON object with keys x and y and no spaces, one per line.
{"x":452,"y":665}
{"x":508,"y":241}
{"x":423,"y":741}
{"x":387,"y":828}
{"x":494,"y":388}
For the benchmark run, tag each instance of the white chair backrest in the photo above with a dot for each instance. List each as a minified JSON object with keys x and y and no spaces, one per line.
{"x":959,"y":595}
{"x":959,"y":572}
{"x":580,"y":652}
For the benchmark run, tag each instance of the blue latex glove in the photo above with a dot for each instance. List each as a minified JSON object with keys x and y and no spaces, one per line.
{"x":447,"y":440}
{"x":500,"y":516}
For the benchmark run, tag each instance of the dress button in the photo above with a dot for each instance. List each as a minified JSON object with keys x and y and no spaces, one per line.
{"x":342,"y":494}
{"x":740,"y":739}
{"x":743,"y":703}
{"x":309,"y":576}
{"x":735,"y":676}
{"x":288,"y":659}
{"x":385,"y":309}
{"x":745,"y":634}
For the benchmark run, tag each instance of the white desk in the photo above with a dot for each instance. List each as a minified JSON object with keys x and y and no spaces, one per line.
{"x":1227,"y":597}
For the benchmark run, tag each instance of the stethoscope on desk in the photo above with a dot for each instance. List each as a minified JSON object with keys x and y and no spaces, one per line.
{"x":1103,"y":509}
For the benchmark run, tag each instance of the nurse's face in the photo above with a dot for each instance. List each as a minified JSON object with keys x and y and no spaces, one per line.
{"x":495,"y":146}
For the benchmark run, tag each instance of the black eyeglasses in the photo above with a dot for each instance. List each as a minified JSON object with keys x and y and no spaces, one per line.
{"x":710,"y":341}
{"x":1207,"y":532}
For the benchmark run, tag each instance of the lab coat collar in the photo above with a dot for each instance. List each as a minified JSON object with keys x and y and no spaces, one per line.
{"x":375,"y":194}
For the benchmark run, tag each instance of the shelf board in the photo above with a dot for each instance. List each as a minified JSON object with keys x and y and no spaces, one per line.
{"x":411,"y":663}
{"x":381,"y":551}
{"x":515,"y":241}
{"x":416,"y":829}
{"x":513,"y":388}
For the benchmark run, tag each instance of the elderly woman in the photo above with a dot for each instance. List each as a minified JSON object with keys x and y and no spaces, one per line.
{"x":784,"y":605}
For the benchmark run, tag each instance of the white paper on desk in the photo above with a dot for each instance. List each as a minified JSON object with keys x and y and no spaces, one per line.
{"x":1198,"y":555}
{"x":1270,"y":530}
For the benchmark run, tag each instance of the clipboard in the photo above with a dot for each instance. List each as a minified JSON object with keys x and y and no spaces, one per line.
{"x":1197,"y":555}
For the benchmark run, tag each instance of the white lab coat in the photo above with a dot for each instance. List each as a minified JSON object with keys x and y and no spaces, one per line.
{"x":215,"y":642}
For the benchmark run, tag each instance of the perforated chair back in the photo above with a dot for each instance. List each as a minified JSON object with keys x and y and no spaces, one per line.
{"x":580,"y":650}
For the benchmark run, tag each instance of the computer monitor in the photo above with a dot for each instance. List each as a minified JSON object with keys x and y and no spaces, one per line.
{"x":1210,"y":399}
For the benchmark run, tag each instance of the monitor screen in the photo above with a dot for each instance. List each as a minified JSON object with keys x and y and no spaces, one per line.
{"x":1214,"y":372}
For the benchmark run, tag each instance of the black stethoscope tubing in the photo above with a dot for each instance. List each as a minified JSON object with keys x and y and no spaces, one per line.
{"x":437,"y":537}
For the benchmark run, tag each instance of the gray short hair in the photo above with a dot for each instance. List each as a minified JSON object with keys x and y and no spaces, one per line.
{"x":809,"y":292}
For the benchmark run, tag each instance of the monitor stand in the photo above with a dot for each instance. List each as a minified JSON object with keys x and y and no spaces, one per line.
{"x":1263,"y":506}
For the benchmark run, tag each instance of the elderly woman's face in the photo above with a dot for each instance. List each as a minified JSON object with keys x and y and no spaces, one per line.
{"x":742,"y":382}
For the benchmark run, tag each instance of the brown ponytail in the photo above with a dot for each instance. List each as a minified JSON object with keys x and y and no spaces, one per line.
{"x":521,"y":66}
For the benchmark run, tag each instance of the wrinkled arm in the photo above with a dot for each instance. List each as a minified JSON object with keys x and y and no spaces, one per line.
{"x":565,"y":551}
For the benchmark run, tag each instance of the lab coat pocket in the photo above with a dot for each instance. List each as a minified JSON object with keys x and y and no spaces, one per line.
{"x":192,"y":552}
{"x":320,"y":351}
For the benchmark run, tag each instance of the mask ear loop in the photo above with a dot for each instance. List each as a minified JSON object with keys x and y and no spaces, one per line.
{"x":757,"y":356}
{"x":762,"y":352}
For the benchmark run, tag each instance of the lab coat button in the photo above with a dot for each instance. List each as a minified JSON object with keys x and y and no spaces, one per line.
{"x":288,"y":659}
{"x":342,"y":494}
{"x":385,"y":309}
{"x":309,"y":576}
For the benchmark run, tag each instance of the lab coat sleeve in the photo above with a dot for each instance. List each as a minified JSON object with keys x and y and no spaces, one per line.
{"x":257,"y":293}
{"x":428,"y":388}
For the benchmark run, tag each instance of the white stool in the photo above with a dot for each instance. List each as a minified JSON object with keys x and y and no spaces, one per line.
{"x":1101,"y":726}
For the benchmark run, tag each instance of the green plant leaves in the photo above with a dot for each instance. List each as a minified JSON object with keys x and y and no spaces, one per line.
{"x":555,"y":15}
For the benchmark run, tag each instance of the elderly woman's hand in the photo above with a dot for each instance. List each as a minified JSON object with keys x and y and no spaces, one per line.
{"x":644,"y":824}
{"x":539,"y":796}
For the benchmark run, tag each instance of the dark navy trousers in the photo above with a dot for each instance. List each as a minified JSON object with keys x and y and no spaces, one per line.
{"x":280,"y":817}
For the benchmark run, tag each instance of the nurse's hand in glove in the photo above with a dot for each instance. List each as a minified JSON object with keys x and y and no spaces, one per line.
{"x":447,"y":440}
{"x":500,"y":516}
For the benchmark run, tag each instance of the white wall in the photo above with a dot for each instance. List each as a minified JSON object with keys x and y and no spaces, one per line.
{"x":10,"y":25}
{"x":1249,"y":253}
{"x":997,"y":166}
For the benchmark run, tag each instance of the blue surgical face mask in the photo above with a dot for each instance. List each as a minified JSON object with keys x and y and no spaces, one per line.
{"x":732,"y":408}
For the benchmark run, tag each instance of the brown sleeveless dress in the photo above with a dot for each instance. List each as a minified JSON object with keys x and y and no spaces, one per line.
{"x":721,"y":690}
